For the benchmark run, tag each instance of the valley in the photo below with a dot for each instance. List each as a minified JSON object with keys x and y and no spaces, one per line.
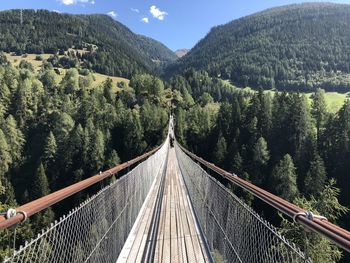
{"x":265,"y":96}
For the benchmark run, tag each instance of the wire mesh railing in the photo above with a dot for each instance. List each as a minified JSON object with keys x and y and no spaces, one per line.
{"x":97,"y":229}
{"x":233,"y":231}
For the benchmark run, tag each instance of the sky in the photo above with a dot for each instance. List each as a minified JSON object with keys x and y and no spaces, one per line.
{"x":175,"y":23}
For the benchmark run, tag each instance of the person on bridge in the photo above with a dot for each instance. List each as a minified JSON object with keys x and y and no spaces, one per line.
{"x":171,"y":137}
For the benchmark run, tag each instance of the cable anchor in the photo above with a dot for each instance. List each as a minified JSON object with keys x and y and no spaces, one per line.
{"x":309,"y":215}
{"x":11,"y":212}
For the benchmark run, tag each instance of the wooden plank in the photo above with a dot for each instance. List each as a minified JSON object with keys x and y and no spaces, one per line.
{"x":141,"y":237}
{"x":173,"y":226}
{"x":197,"y":245}
{"x":192,"y":229}
{"x":130,"y":242}
{"x":182,"y":245}
{"x":166,"y":244}
{"x":144,"y":243}
{"x":190,"y":256}
{"x":178,"y":238}
{"x":200,"y":241}
{"x":160,"y":236}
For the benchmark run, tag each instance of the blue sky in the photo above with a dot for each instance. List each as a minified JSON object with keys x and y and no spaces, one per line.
{"x":176,"y":23}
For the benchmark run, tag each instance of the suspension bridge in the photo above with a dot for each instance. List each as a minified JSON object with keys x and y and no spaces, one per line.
{"x":168,"y":208}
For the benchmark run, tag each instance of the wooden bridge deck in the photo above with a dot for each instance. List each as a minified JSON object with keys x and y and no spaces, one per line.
{"x":165,"y":230}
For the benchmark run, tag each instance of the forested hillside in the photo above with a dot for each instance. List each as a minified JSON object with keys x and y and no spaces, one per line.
{"x":113,"y":48}
{"x":281,"y":143}
{"x":296,"y":47}
{"x":56,"y":132}
{"x":57,"y":129}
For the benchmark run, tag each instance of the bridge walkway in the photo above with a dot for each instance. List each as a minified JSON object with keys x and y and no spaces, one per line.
{"x":166,"y":229}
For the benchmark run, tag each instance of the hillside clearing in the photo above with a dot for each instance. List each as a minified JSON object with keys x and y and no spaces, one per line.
{"x":334,"y":100}
{"x":31,"y":58}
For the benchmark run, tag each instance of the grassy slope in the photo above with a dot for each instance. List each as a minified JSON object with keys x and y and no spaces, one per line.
{"x":99,"y":78}
{"x":334,"y":100}
{"x":15,"y":60}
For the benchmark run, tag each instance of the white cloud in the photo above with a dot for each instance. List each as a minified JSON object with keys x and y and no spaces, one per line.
{"x":135,"y":10}
{"x":157,"y":13}
{"x":68,"y":2}
{"x":112,"y":14}
{"x":57,"y":11}
{"x":73,"y":2}
{"x":145,"y":20}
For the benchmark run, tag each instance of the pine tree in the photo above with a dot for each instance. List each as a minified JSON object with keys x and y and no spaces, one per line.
{"x":50,"y":148}
{"x":15,"y":138}
{"x":113,"y":160}
{"x":85,"y":81}
{"x":224,"y":120}
{"x":220,"y":151}
{"x":237,"y":164}
{"x":7,"y":195}
{"x":5,"y":155}
{"x":285,"y":179}
{"x":319,"y":110}
{"x":281,"y":122}
{"x":108,"y":90}
{"x":301,"y":128}
{"x":316,"y":177}
{"x":261,"y":156}
{"x":326,"y":203}
{"x":188,"y":100}
{"x":24,"y":102}
{"x":41,"y":188}
{"x":261,"y":153}
{"x":5,"y":98}
{"x":157,"y":87}
{"x":97,"y":151}
{"x":339,"y":150}
{"x":63,"y":124}
{"x":205,"y":99}
{"x":70,"y":81}
{"x":40,"y":185}
{"x":343,"y":129}
{"x":49,"y":79}
{"x":265,"y":114}
{"x":236,"y":116}
{"x":133,"y":135}
{"x":153,"y":120}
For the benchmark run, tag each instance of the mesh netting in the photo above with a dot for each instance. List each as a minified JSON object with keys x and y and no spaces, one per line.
{"x":97,"y":229}
{"x":233,"y":231}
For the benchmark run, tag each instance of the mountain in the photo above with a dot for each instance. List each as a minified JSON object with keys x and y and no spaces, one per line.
{"x":294,"y":47}
{"x":181,"y":52}
{"x":114,"y":49}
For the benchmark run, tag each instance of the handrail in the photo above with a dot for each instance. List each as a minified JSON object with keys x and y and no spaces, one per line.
{"x":336,"y":234}
{"x":35,"y":206}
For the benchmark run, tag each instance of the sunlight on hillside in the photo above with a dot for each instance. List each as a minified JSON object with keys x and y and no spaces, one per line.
{"x":32,"y":58}
{"x":335,"y":100}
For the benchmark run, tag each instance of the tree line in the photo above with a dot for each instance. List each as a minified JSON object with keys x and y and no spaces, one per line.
{"x":296,"y":47}
{"x":283,"y":144}
{"x":57,"y":130}
{"x":112,"y":48}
